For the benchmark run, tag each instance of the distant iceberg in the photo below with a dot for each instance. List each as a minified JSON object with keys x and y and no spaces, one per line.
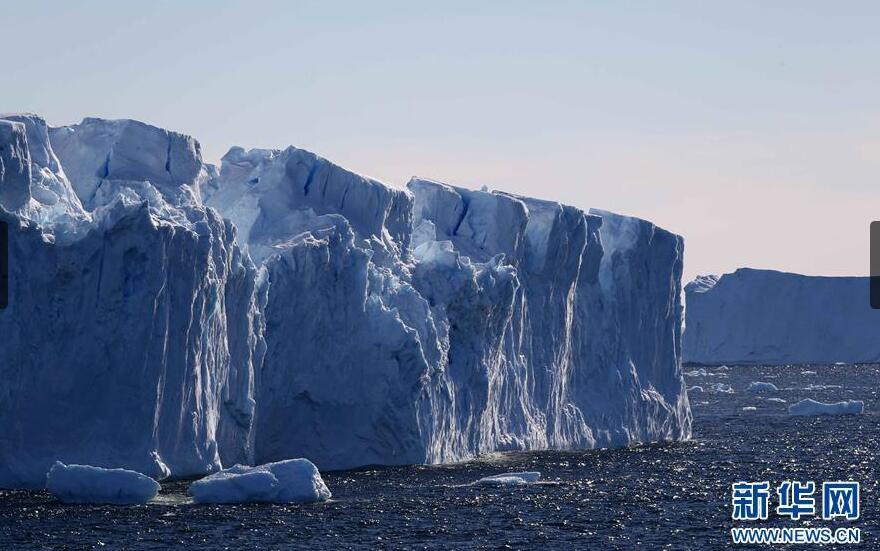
{"x":768,"y":317}
{"x":87,"y":484}
{"x":812,"y":407}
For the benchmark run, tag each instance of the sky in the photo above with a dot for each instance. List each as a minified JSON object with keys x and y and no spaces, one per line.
{"x":751,"y":128}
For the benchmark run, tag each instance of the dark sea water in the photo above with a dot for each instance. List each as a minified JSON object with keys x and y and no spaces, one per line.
{"x":666,"y":496}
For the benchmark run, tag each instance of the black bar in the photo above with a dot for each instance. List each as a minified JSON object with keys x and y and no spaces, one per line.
{"x":875,"y":265}
{"x":4,"y":264}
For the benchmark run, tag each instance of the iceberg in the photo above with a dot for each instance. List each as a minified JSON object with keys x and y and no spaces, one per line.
{"x":510,"y":479}
{"x":812,"y":407}
{"x":173,"y":317}
{"x":758,"y":386}
{"x":776,"y":318}
{"x":290,"y":481}
{"x":87,"y":484}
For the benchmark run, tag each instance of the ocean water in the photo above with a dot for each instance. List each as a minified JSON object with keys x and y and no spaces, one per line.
{"x":660,"y":496}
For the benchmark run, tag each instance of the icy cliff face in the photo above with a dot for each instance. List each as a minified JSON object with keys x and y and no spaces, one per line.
{"x":764,"y":316}
{"x":546,"y":345}
{"x":128,"y":339}
{"x":172,"y":317}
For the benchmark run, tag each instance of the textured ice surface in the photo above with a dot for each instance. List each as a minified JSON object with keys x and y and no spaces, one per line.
{"x":87,"y":484}
{"x":173,"y":317}
{"x":290,"y":481}
{"x":131,"y":331}
{"x":812,"y":407}
{"x":763,"y":316}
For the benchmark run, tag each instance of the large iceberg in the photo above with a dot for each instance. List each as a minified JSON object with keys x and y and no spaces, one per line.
{"x":173,"y":317}
{"x":769,"y":317}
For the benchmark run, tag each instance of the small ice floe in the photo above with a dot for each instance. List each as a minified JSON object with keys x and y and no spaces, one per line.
{"x":701,"y":372}
{"x":758,"y":386}
{"x":812,"y":407}
{"x":510,"y":479}
{"x":821,"y":387}
{"x":289,"y":481}
{"x":808,"y":372}
{"x":750,"y":408}
{"x":696,"y":388}
{"x":87,"y":484}
{"x":777,"y":400}
{"x":721,"y":388}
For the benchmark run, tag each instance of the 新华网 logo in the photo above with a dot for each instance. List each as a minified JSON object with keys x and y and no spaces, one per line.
{"x":751,"y":500}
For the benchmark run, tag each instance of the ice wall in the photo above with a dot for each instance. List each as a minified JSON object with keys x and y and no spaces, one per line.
{"x":765,"y":316}
{"x":172,"y":317}
{"x":128,"y":340}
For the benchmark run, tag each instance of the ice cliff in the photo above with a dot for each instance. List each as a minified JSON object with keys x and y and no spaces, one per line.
{"x":764,"y":316}
{"x":172,"y":317}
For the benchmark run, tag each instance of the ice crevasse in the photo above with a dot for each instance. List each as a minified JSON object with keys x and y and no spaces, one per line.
{"x":173,"y":317}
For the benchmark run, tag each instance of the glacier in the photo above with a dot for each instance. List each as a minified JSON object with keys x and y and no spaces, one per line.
{"x":173,"y":317}
{"x":770,"y":317}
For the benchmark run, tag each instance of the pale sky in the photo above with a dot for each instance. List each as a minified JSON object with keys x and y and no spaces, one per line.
{"x":751,"y":128}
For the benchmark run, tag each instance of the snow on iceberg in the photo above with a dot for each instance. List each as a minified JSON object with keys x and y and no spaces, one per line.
{"x":510,"y":479}
{"x":87,"y":484}
{"x":289,"y":481}
{"x":769,"y":317}
{"x":812,"y":407}
{"x":758,"y":386}
{"x":287,"y":307}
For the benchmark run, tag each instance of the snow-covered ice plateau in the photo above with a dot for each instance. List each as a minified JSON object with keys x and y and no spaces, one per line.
{"x":171,"y":317}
